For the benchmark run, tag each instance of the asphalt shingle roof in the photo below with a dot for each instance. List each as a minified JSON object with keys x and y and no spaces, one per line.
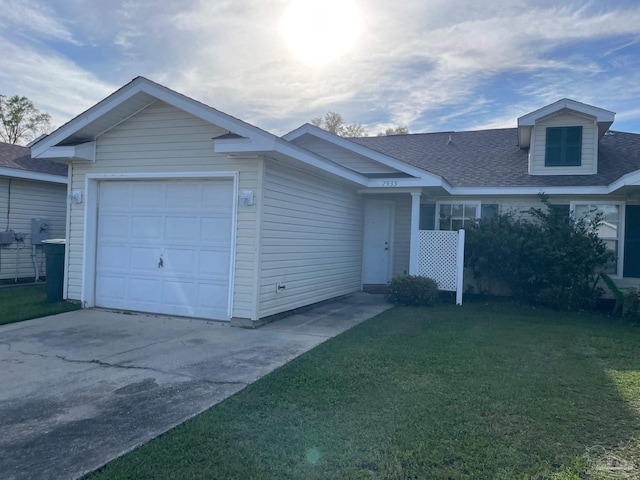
{"x":492,"y":158}
{"x":18,"y":157}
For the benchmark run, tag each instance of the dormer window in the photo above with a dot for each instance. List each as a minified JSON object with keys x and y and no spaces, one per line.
{"x":563,"y":147}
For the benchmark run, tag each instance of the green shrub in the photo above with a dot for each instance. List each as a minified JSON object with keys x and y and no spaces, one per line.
{"x":413,"y":290}
{"x":631,"y":305}
{"x":545,"y":257}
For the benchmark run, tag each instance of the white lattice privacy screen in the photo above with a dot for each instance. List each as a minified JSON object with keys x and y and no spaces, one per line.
{"x":440,"y":257}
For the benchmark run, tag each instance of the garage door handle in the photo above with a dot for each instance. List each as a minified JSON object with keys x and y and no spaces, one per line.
{"x":160,"y":262}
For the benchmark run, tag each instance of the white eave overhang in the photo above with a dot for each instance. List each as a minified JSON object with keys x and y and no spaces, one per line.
{"x":603,"y":118}
{"x":83,"y":152}
{"x":233,"y":145}
{"x":30,"y":175}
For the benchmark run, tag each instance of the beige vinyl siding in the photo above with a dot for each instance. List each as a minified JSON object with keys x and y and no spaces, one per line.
{"x":311,"y":239}
{"x":344,"y":157}
{"x":29,"y":199}
{"x":163,"y":139}
{"x":589,"y":145}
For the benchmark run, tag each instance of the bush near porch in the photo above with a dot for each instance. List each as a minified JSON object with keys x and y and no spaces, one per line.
{"x":544,"y":257}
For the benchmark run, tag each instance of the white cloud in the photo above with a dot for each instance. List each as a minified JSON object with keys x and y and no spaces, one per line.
{"x":33,"y":19}
{"x":432,"y":65}
{"x":53,"y":83}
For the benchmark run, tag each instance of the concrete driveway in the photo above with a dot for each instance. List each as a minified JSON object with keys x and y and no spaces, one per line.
{"x":81,"y":388}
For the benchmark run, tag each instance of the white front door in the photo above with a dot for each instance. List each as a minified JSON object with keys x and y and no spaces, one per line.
{"x":165,"y":247}
{"x":378,"y":235}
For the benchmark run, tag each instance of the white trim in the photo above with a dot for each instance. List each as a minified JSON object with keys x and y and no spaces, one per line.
{"x":308,"y":129}
{"x":621,"y":226}
{"x":160,"y":92}
{"x":460,"y":267}
{"x":600,"y":114}
{"x":30,"y":175}
{"x":310,"y":158}
{"x":566,"y":190}
{"x":91,"y":213}
{"x":82,"y":151}
{"x":414,"y":247}
{"x":65,"y":276}
{"x":453,"y":201}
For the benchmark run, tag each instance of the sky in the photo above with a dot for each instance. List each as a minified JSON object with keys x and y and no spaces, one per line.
{"x":430,"y":65}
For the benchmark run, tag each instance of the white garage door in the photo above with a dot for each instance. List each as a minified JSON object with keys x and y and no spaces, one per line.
{"x":165,"y":247}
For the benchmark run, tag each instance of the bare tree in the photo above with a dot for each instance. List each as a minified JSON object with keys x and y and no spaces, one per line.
{"x":401,"y":130}
{"x":20,"y":120}
{"x":334,"y":123}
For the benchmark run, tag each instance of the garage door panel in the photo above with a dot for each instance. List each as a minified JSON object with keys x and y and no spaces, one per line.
{"x":179,"y":294}
{"x":144,"y":289}
{"x":148,"y":195}
{"x":112,"y":225}
{"x":187,"y":224}
{"x":179,"y":261}
{"x":113,"y":286}
{"x":116,"y":197}
{"x":211,"y":296}
{"x":183,"y":196}
{"x":213,"y":263}
{"x":181,"y":229}
{"x":113,"y":258}
{"x":146,"y":227}
{"x":212,"y":230}
{"x":217,"y":195}
{"x":145,"y":260}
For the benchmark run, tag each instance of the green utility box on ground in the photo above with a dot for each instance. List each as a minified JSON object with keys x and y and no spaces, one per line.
{"x":54,"y":255}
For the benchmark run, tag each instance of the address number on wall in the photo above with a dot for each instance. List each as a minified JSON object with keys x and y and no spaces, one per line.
{"x":389,"y":183}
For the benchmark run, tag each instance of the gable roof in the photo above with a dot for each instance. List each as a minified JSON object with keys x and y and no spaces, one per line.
{"x":75,"y":140}
{"x":603,"y":118}
{"x":16,"y":161}
{"x":492,"y":158}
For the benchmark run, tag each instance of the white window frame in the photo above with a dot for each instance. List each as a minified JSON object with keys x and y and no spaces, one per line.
{"x":622,"y":212}
{"x":464,"y":203}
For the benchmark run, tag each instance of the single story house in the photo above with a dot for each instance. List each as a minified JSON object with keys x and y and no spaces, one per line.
{"x":33,"y":207}
{"x":186,"y":210}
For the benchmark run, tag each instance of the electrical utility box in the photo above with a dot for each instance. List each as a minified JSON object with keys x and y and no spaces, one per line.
{"x":6,"y":238}
{"x":39,"y":230}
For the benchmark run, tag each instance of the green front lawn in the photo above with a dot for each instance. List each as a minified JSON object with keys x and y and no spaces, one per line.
{"x":28,"y":301}
{"x":493,"y":391}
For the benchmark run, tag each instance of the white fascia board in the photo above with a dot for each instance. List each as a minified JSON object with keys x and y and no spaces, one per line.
{"x":29,"y":175}
{"x":160,"y":92}
{"x":630,"y":179}
{"x":83,"y":151}
{"x":391,"y":182}
{"x":244,"y":145}
{"x":565,"y":190}
{"x":82,"y":120}
{"x":334,"y":139}
{"x":600,"y":114}
{"x":298,"y":153}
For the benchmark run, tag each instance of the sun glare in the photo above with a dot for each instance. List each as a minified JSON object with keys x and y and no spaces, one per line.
{"x":318,"y":31}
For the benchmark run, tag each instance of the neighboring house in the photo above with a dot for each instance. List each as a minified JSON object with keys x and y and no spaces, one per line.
{"x":186,"y":210}
{"x":29,"y":189}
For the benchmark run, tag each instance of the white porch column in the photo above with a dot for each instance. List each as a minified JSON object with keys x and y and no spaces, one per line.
{"x":415,"y":233}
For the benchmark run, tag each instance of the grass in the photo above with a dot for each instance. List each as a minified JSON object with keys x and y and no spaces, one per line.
{"x":28,"y":301}
{"x":495,"y":391}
